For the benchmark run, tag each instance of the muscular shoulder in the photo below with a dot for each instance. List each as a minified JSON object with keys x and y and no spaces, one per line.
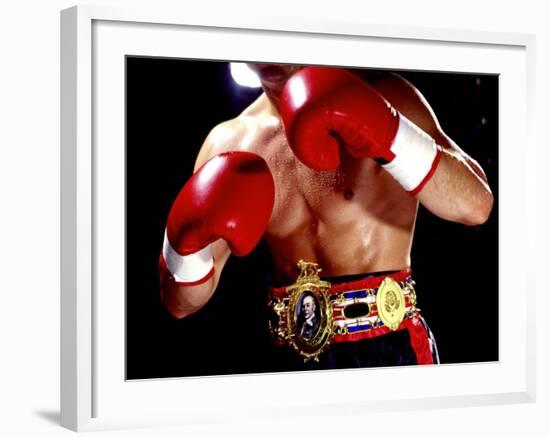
{"x":408,"y":100}
{"x":245,"y":132}
{"x":224,"y":136}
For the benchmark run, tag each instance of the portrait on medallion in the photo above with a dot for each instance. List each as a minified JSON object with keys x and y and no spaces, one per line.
{"x":308,"y":317}
{"x":301,"y":217}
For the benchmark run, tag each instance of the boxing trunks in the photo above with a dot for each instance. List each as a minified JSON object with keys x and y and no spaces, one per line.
{"x":361,"y":321}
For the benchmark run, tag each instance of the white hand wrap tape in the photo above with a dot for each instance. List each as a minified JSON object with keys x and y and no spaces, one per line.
{"x":415,"y":152}
{"x":187,"y":268}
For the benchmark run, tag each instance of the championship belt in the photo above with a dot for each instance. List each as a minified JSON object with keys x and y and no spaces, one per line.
{"x":309,"y":314}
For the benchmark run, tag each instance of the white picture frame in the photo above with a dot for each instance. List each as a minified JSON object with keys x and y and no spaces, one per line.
{"x":94,"y":396}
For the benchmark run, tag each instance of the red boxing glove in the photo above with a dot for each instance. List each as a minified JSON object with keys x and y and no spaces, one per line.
{"x":320,"y":103}
{"x":231,"y":197}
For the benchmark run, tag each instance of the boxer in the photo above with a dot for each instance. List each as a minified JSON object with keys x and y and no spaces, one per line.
{"x":329,"y":166}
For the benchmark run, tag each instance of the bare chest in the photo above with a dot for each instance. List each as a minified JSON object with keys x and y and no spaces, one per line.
{"x":358,"y":193}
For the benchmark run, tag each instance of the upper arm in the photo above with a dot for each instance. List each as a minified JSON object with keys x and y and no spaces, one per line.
{"x":219,"y":140}
{"x":182,"y":300}
{"x":404,"y":97}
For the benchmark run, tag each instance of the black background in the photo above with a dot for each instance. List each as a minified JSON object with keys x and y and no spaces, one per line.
{"x":171,"y":106}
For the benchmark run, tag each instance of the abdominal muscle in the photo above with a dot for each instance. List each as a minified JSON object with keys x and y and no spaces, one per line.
{"x":350,"y":221}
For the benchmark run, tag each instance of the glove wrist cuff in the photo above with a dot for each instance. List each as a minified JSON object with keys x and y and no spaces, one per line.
{"x":416,"y":156}
{"x":188,"y":269}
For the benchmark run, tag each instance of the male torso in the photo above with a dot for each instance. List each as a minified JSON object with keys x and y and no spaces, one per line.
{"x":355,"y":219}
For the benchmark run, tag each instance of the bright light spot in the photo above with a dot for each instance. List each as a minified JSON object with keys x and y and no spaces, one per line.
{"x":298,"y":92}
{"x":243,"y":75}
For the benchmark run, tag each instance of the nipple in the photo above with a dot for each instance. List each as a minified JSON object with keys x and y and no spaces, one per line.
{"x":348,"y":194}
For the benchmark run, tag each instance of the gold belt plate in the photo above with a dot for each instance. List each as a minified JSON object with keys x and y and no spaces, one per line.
{"x":390,"y":302}
{"x":309,"y":313}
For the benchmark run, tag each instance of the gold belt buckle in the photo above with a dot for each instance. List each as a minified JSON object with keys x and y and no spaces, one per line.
{"x":305,"y":323}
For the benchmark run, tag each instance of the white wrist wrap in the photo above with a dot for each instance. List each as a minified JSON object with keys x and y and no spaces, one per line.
{"x":415,"y":152}
{"x":187,"y":268}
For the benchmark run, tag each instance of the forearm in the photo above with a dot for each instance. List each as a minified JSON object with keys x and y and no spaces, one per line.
{"x":458,"y":190}
{"x":223,"y":208}
{"x":181,"y":299}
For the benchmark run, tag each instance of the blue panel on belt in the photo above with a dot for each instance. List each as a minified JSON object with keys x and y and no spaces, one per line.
{"x":351,"y":294}
{"x":359,"y":328}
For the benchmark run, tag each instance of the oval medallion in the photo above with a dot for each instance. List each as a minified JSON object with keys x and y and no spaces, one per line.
{"x":391,"y":303}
